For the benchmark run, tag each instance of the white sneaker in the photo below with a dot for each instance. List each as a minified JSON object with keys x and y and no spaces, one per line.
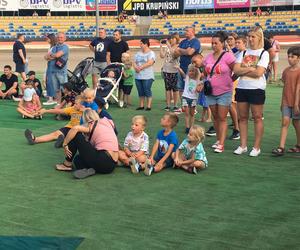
{"x":254,"y":152}
{"x":49,"y":102}
{"x":121,"y":104}
{"x":215,"y":145}
{"x":240,"y":150}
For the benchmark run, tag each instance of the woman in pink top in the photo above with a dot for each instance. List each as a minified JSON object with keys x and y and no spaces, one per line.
{"x":220,"y":99}
{"x":96,"y":144}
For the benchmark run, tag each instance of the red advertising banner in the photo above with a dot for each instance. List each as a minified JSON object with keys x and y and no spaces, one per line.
{"x":222,"y":4}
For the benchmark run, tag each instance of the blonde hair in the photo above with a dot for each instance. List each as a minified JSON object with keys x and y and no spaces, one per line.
{"x":140,"y":118}
{"x":88,"y":92}
{"x":89,"y":115}
{"x":198,"y":133}
{"x":192,"y":67}
{"x":257,"y":31}
{"x":126,"y":60}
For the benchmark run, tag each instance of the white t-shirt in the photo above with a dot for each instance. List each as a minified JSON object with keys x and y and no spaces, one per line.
{"x":190,"y":86}
{"x":251,"y":58}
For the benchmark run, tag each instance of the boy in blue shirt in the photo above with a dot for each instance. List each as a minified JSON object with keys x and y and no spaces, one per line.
{"x":166,"y":144}
{"x":88,"y":97}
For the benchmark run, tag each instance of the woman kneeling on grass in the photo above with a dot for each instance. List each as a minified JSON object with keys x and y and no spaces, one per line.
{"x":97,"y":146}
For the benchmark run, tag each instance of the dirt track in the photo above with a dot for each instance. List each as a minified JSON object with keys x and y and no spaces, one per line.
{"x":38,"y":64}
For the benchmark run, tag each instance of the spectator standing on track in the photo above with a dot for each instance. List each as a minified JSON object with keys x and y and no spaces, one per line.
{"x":114,"y":54}
{"x":99,"y":46}
{"x":19,"y":55}
{"x":57,"y":66}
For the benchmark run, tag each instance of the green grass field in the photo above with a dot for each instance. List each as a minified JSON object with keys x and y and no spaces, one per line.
{"x":237,"y":203}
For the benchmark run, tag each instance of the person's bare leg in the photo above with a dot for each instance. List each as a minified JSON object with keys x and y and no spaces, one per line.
{"x":142,"y":101}
{"x":168,"y":98}
{"x":222,"y":120}
{"x":257,"y":113}
{"x":95,"y":80}
{"x":192,"y":116}
{"x":214,"y":112}
{"x":234,"y":116}
{"x":296,"y":124}
{"x":48,"y":137}
{"x":243,"y":113}
{"x":175,"y":96}
{"x":23,"y":112}
{"x":198,"y":164}
{"x":284,"y":130}
{"x":149,"y":102}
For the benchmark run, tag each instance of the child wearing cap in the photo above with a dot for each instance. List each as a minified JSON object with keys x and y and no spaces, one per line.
{"x":30,"y":105}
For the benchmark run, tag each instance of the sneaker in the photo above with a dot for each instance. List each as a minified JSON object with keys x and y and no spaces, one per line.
{"x":38,"y":117}
{"x":177,"y":111}
{"x":121,"y":104}
{"x":240,"y":150}
{"x":16,"y":99}
{"x":215,"y":145}
{"x":192,"y":170}
{"x":235,"y":135}
{"x":29,"y":136}
{"x":135,"y":167}
{"x":167,"y":109}
{"x":211,"y":131}
{"x":83,"y":173}
{"x":49,"y":102}
{"x":148,"y":169}
{"x":59,"y":141}
{"x":219,"y":149}
{"x":254,"y":152}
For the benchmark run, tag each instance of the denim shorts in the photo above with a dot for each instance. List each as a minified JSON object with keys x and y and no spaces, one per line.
{"x":57,"y":79}
{"x":188,"y":102}
{"x":289,"y":112}
{"x":144,"y":87}
{"x":222,"y":100}
{"x":168,"y":162}
{"x":180,"y":83}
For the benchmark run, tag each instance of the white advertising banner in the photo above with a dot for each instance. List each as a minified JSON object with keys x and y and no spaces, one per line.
{"x":34,"y":4}
{"x":9,"y":5}
{"x":296,"y":2}
{"x":68,"y":5}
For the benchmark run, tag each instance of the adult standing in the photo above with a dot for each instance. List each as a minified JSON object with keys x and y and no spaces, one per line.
{"x":169,"y":69}
{"x":276,"y":47}
{"x":10,"y":81}
{"x":218,"y":68}
{"x":96,"y":144}
{"x":51,"y":39}
{"x":19,"y":55}
{"x":57,"y":67}
{"x":144,"y":77}
{"x":187,"y":48}
{"x":114,"y":54}
{"x":99,"y":46}
{"x":250,"y":93}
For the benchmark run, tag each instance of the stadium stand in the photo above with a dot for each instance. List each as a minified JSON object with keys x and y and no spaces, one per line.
{"x":74,"y":26}
{"x":206,"y":24}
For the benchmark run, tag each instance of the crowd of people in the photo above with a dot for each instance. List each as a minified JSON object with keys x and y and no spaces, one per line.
{"x":231,"y":79}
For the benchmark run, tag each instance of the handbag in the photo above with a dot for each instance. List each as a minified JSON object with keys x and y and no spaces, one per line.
{"x":207,"y":84}
{"x":60,"y":62}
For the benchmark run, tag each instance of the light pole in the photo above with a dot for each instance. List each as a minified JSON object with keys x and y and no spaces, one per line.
{"x":97,"y":16}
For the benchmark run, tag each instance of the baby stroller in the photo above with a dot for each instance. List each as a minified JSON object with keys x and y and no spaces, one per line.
{"x":78,"y":76}
{"x":108,"y":88}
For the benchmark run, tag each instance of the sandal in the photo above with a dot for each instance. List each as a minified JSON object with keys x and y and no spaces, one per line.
{"x":278,"y":151}
{"x":63,"y":167}
{"x":295,"y":149}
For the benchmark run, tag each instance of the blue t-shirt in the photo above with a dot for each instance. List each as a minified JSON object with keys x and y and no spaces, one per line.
{"x":185,"y":60}
{"x":51,"y":64}
{"x":91,"y":105}
{"x":100,"y":46}
{"x":165,"y":141}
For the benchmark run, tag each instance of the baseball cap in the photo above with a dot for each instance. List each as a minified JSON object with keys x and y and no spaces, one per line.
{"x":28,"y":93}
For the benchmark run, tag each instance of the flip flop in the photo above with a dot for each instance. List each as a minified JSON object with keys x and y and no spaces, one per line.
{"x":295,"y":149}
{"x":278,"y":151}
{"x":63,"y":167}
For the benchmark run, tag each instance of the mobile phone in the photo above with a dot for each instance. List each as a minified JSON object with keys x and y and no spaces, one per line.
{"x":163,"y":41}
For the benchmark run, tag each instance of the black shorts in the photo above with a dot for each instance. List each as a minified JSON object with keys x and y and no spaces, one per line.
{"x":64,"y":130}
{"x":127,"y":89}
{"x":171,"y":80}
{"x":121,"y":84}
{"x":20,"y":67}
{"x":252,"y":96}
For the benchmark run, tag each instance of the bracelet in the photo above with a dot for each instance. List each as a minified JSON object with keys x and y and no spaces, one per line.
{"x":66,"y":145}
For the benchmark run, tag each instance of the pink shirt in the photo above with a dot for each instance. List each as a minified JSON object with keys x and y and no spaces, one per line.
{"x":104,"y":137}
{"x":221,"y":80}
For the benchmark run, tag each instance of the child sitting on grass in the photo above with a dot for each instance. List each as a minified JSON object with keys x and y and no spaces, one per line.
{"x":190,"y":155}
{"x":166,"y":143}
{"x":290,"y":104}
{"x":30,"y":105}
{"x":136,"y":145}
{"x":192,"y":87}
{"x":128,"y":76}
{"x":75,"y":112}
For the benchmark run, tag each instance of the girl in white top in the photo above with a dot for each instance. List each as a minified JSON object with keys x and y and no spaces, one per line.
{"x":250,"y":93}
{"x":192,"y":87}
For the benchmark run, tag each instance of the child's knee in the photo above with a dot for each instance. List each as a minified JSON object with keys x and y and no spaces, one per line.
{"x":199,"y":164}
{"x":141,"y":158}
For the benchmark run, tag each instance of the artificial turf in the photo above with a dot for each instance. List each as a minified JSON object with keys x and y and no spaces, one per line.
{"x":239,"y":202}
